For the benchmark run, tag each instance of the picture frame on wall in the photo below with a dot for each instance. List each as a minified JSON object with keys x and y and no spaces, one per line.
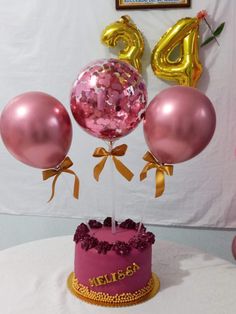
{"x":151,"y":4}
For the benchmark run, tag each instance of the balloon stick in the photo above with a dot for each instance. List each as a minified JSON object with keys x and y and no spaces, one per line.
{"x":113,"y":192}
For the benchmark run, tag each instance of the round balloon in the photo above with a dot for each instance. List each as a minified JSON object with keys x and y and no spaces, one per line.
{"x":234,"y":247}
{"x":179,"y":123}
{"x":108,"y":99}
{"x":36,"y":129}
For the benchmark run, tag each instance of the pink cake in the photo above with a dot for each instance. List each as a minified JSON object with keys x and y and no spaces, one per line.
{"x":113,"y":269}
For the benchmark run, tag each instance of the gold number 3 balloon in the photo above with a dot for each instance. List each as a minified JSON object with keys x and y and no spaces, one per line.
{"x":126,"y":31}
{"x":186,"y":69}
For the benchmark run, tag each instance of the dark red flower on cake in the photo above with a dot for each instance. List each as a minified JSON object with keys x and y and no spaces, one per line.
{"x":150,"y":237}
{"x":139,"y":242}
{"x":103,"y":247}
{"x":121,"y":248}
{"x":142,"y":240}
{"x":81,"y":232}
{"x":89,"y":243}
{"x":94,"y":224}
{"x":142,"y":229}
{"x":83,"y":228}
{"x":128,"y":224}
{"x":80,"y":236}
{"x":108,"y":222}
{"x":76,"y":238}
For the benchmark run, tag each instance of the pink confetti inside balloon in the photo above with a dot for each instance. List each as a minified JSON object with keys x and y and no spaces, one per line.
{"x":108,"y":99}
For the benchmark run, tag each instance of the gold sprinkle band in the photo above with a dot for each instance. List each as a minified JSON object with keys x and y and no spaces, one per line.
{"x":105,"y":299}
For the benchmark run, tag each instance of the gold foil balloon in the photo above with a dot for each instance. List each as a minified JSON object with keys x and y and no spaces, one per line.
{"x":186,"y":68}
{"x":126,"y":31}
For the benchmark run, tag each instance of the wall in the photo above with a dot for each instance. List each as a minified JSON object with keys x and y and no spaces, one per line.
{"x":19,"y":229}
{"x":44,"y":44}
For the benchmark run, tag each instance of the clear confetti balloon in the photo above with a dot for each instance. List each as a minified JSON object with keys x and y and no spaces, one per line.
{"x":108,"y":99}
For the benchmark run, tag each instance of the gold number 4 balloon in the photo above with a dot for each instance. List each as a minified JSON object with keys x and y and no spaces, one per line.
{"x":126,"y":31}
{"x":186,"y":68}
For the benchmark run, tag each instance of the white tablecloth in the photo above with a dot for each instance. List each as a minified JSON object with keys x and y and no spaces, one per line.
{"x":33,"y":281}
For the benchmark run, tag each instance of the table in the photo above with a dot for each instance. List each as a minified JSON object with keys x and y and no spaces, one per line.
{"x":33,"y":281}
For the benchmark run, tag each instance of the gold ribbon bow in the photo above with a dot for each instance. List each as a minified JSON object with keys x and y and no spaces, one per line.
{"x":63,"y":167}
{"x":161,"y":170}
{"x":117,"y":151}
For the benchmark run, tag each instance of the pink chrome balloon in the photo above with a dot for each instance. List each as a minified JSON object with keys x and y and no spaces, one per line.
{"x":36,"y":129}
{"x":234,"y":247}
{"x":179,"y":123}
{"x":108,"y":99}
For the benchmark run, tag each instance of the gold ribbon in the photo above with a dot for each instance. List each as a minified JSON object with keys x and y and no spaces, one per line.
{"x":117,"y":151}
{"x":63,"y":167}
{"x":161,"y":170}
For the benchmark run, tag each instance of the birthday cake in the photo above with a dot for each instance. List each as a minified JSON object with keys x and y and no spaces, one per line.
{"x":113,"y":268}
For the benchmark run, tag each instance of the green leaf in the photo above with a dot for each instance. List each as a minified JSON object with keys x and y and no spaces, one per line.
{"x":208,"y":40}
{"x":219,"y":29}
